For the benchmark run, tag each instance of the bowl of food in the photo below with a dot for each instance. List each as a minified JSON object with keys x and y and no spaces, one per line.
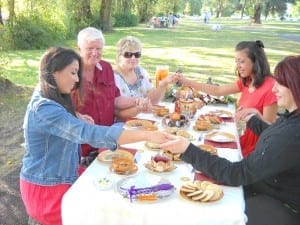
{"x":175,"y":120}
{"x":160,"y":163}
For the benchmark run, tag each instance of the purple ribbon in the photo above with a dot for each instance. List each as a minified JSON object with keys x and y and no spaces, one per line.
{"x":133,"y":192}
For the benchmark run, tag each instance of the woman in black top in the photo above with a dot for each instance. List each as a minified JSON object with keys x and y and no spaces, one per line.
{"x":271,"y":174}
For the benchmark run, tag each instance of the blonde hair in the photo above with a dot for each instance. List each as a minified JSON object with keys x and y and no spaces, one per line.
{"x":89,"y":34}
{"x":128,"y":43}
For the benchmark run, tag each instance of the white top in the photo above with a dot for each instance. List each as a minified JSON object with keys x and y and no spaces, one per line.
{"x":139,"y":89}
{"x":84,"y":203}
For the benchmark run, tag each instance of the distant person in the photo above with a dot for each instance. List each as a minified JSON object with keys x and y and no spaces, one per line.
{"x":255,"y":84}
{"x":98,"y":96}
{"x":206,"y":18}
{"x":171,"y":20}
{"x":132,"y":79}
{"x":53,"y":135}
{"x":271,"y":173}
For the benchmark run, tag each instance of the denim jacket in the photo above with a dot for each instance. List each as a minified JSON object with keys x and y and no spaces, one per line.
{"x":52,"y":142}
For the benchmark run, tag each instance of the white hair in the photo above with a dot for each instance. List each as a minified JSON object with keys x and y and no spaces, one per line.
{"x":89,"y":34}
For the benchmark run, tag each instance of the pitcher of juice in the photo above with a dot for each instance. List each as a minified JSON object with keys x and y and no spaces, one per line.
{"x":161,"y":73}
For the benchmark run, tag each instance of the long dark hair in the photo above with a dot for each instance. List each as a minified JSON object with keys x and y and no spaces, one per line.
{"x":287,"y":73}
{"x":56,"y":59}
{"x":261,"y":67}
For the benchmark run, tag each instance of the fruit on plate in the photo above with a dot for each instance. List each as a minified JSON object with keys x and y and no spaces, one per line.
{"x":175,"y":120}
{"x":160,"y":163}
{"x":175,"y":116}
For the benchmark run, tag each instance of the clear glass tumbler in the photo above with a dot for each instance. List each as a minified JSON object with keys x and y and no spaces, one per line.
{"x":161,"y":73}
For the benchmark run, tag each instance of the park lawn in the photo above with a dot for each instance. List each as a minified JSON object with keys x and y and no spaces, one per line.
{"x":191,"y":46}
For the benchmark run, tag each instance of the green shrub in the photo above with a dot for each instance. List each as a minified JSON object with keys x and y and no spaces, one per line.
{"x":125,"y":20}
{"x":31,"y":32}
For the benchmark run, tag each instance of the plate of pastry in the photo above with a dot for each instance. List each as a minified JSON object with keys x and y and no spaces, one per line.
{"x":123,"y":166}
{"x":209,"y":148}
{"x":140,"y":124}
{"x":108,"y":155}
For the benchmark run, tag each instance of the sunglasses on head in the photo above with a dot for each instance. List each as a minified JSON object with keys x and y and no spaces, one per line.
{"x":130,"y":54}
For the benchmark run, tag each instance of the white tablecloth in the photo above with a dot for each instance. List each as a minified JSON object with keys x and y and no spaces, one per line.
{"x":85,"y":204}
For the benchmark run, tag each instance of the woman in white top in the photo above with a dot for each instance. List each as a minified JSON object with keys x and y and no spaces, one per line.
{"x":134,"y":80}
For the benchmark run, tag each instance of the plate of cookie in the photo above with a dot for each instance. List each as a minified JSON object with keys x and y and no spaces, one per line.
{"x":201,"y":191}
{"x":221,"y":137}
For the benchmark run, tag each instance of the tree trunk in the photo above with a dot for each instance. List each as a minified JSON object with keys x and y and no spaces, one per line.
{"x":1,"y":18}
{"x":219,"y":8}
{"x":11,"y":10}
{"x":257,"y":13}
{"x":243,"y":9}
{"x":105,"y":13}
{"x":86,"y":9}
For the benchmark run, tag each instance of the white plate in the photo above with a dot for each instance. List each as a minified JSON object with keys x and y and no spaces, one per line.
{"x":219,"y":136}
{"x":103,"y":183}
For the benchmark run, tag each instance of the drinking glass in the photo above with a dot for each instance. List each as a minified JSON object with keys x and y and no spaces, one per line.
{"x":241,"y":126}
{"x":161,"y":73}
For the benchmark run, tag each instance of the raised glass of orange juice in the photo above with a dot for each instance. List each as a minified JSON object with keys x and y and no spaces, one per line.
{"x":161,"y":73}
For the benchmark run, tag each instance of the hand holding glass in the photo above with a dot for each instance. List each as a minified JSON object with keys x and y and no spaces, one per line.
{"x":161,"y":73}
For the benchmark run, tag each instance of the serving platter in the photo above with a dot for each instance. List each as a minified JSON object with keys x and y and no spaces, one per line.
{"x":145,"y":188}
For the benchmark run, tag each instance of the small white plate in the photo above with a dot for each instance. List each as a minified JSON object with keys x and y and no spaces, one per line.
{"x":103,"y":183}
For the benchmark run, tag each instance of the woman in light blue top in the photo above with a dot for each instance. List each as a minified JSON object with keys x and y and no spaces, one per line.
{"x":53,"y":135}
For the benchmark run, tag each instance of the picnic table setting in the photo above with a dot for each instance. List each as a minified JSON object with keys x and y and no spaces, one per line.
{"x":140,"y":183}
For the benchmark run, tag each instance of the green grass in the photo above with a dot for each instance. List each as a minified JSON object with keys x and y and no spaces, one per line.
{"x":191,"y":46}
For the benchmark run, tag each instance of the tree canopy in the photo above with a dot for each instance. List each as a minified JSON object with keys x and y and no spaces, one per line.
{"x":46,"y":21}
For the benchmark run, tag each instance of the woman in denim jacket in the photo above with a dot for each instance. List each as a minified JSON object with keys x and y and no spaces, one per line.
{"x":53,"y":135}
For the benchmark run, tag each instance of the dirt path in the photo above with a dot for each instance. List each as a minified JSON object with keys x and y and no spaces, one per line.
{"x":13,"y":101}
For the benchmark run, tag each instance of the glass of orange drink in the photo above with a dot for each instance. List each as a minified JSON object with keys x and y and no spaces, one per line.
{"x":161,"y":73}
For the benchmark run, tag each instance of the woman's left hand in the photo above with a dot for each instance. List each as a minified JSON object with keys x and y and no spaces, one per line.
{"x":245,"y":113}
{"x":86,"y":118}
{"x":144,"y":104}
{"x":175,"y":144}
